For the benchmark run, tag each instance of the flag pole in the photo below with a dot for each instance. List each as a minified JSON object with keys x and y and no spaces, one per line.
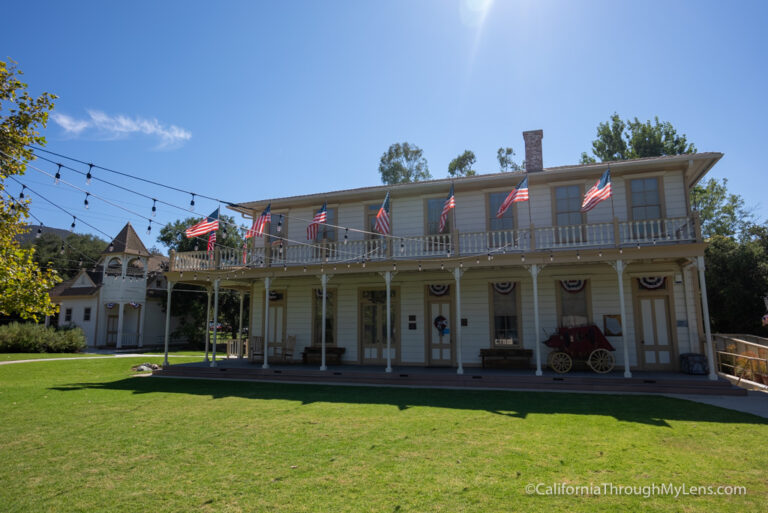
{"x":530,"y":215}
{"x":453,"y":219}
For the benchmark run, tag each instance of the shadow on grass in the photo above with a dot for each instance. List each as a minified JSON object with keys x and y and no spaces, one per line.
{"x":650,"y":410}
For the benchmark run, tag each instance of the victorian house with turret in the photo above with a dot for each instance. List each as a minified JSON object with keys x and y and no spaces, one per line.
{"x":117,"y":303}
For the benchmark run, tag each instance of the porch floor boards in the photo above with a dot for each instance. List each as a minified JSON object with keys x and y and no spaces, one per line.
{"x":473,"y":378}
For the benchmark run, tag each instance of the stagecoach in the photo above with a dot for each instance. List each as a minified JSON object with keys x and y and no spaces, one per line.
{"x":584,"y":343}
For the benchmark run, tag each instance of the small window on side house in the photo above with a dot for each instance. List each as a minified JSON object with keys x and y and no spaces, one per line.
{"x":86,"y":315}
{"x":68,"y":315}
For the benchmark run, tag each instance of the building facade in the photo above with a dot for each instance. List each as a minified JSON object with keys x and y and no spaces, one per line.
{"x":632,"y":266}
{"x":117,"y":303}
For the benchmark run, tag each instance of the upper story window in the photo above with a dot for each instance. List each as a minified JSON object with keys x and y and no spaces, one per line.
{"x":507,"y":221}
{"x":68,"y":315}
{"x":273,"y":226}
{"x":568,"y":205}
{"x":370,"y":221}
{"x":645,"y":200}
{"x":434,"y":209}
{"x":87,"y":315}
{"x":326,"y":233}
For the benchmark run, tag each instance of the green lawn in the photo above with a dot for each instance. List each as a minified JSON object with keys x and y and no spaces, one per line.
{"x":85,"y":436}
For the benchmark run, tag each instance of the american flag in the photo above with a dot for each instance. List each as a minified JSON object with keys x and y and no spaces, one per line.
{"x":320,"y":218}
{"x":450,"y":202}
{"x":382,"y":218}
{"x":519,"y":193}
{"x":257,"y":229}
{"x":599,"y":192}
{"x":209,"y":224}
{"x":211,"y":241}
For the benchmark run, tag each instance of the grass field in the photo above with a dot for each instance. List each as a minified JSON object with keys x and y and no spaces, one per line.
{"x":84,"y":435}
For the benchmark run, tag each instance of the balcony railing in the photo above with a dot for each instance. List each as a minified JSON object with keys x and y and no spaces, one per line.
{"x":598,"y":235}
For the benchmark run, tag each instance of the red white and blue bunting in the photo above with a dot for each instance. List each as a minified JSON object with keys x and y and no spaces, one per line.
{"x":652,"y":282}
{"x":134,"y":304}
{"x":110,"y":306}
{"x":439,"y":290}
{"x":573,"y":286}
{"x":504,"y":287}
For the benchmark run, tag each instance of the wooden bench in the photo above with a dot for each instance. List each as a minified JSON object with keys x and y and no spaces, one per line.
{"x":313,"y":354}
{"x":506,"y":357}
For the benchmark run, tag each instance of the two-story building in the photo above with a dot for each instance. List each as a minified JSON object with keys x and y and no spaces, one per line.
{"x":117,"y":303}
{"x":632,"y":266}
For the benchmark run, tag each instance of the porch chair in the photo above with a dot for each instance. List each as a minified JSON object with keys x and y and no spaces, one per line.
{"x":256,"y":349}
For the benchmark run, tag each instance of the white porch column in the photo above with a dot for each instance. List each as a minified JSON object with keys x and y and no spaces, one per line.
{"x":388,"y":281}
{"x":141,"y":323}
{"x":623,"y":312}
{"x":215,"y":318}
{"x":167,"y":322}
{"x":324,"y":283}
{"x":457,"y":272}
{"x":267,"y":283}
{"x":207,"y":324}
{"x":705,"y":313}
{"x":240,"y":329}
{"x":119,"y":343}
{"x":535,"y":270}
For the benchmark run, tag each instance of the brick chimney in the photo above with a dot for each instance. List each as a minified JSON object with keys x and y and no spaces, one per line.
{"x":533,"y":159}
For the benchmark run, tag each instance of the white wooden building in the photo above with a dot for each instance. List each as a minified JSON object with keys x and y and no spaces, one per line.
{"x":117,"y":303}
{"x":632,"y":266}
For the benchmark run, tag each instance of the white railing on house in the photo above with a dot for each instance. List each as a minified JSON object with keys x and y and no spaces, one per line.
{"x":596,"y":235}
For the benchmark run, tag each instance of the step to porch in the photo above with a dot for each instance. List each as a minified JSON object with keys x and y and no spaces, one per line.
{"x":470,"y":380}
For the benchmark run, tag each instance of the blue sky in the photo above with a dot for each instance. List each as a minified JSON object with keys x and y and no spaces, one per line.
{"x":249,"y":100}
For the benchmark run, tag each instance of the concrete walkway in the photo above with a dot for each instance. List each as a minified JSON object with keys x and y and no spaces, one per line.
{"x":137,"y":355}
{"x":754,"y":402}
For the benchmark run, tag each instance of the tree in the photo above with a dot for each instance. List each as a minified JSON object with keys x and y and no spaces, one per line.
{"x":506,"y":162}
{"x":23,"y":285}
{"x":403,"y":163}
{"x":190,"y":307}
{"x":78,"y":251}
{"x":720,"y":213}
{"x":737,"y":282}
{"x":462,"y":165}
{"x":623,"y":140}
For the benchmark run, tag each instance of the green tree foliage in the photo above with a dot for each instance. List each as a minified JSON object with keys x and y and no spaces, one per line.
{"x":720,"y":213}
{"x":190,"y":307}
{"x":737,"y":281}
{"x":403,"y":163}
{"x":462,"y":165}
{"x":631,"y":139}
{"x":23,"y":285}
{"x":80,"y":251}
{"x":506,"y":160}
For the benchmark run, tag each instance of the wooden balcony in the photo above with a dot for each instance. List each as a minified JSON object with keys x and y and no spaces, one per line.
{"x":586,"y":236}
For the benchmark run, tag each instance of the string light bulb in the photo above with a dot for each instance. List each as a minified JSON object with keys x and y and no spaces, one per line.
{"x":111,"y":247}
{"x":149,"y":227}
{"x":522,"y":258}
{"x":154,"y":207}
{"x":280,"y":224}
{"x":21,"y":194}
{"x":39,"y":231}
{"x":420,"y":267}
{"x":57,"y":178}
{"x":61,"y":251}
{"x":72,"y":226}
{"x":88,"y":175}
{"x":346,"y":236}
{"x":402,"y":246}
{"x":85,"y":201}
{"x":192,"y":202}
{"x":442,"y":266}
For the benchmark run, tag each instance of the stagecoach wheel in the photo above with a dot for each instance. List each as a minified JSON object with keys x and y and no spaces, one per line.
{"x":601,"y":361}
{"x":560,"y":362}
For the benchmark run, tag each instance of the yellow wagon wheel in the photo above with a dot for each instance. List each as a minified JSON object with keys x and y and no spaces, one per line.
{"x":601,"y":361}
{"x":560,"y":362}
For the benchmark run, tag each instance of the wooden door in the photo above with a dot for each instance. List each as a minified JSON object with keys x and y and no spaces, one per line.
{"x":656,"y":348}
{"x":440,"y":326}
{"x":373,"y":327}
{"x":112,"y":330}
{"x":276,"y":335}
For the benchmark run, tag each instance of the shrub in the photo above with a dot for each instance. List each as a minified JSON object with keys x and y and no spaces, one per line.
{"x":36,"y":338}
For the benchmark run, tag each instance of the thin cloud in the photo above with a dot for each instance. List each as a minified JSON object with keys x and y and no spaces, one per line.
{"x":119,"y":126}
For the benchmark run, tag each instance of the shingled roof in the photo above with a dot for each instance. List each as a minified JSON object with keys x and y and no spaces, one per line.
{"x":127,"y":241}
